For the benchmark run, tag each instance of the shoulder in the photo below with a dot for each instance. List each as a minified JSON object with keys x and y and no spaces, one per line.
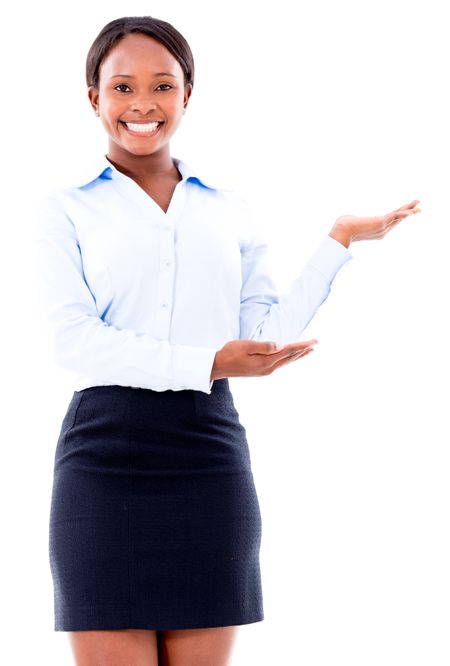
{"x":50,"y":214}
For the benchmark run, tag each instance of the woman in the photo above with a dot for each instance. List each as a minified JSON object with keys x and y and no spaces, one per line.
{"x":156,"y":289}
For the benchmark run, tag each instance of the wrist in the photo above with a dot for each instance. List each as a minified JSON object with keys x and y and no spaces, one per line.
{"x":215,"y":370}
{"x":342,"y":234}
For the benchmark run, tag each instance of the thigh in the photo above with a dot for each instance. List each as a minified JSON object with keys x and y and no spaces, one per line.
{"x":121,"y":647}
{"x":197,"y":647}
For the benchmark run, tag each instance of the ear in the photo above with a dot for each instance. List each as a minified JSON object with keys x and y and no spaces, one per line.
{"x":93,"y":97}
{"x":187,"y":94}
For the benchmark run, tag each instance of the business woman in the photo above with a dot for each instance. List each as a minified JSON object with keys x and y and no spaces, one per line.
{"x":156,"y":288}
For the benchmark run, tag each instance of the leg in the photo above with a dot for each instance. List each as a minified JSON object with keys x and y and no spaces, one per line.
{"x":197,"y":647}
{"x":121,"y":647}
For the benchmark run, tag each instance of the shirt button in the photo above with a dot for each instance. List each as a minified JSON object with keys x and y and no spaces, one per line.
{"x":164,"y":305}
{"x":168,"y":263}
{"x":166,"y":228}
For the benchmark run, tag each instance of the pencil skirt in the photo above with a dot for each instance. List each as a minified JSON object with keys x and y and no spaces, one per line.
{"x":154,"y":519}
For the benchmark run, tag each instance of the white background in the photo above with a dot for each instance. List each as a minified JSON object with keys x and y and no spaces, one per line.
{"x":311,"y":110}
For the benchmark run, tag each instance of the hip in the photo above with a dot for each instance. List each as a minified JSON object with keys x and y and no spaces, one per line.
{"x":156,"y":430}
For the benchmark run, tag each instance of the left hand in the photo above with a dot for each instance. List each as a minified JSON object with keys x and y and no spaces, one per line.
{"x":348,"y":228}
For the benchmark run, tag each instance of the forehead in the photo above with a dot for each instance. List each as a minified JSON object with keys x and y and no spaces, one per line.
{"x":139,"y":52}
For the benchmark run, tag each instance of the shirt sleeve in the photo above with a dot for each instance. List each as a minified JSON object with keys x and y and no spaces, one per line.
{"x":80,"y":340}
{"x":265,"y":315}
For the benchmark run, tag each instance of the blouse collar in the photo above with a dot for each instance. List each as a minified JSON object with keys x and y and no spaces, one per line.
{"x":103,"y":168}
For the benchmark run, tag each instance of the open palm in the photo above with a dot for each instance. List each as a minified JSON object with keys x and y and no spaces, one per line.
{"x":367,"y":228}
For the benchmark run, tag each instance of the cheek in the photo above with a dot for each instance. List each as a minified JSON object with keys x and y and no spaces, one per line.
{"x":174,"y":106}
{"x":112,"y":110}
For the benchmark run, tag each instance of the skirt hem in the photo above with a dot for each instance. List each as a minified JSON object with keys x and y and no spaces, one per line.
{"x":111,"y":626}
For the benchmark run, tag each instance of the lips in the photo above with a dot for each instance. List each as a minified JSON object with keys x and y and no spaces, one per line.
{"x":140,"y":133}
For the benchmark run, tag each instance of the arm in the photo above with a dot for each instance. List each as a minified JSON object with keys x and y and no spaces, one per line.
{"x":267,"y":316}
{"x":82,"y":341}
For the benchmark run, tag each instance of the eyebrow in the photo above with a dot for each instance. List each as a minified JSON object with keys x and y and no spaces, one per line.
{"x":129,"y":76}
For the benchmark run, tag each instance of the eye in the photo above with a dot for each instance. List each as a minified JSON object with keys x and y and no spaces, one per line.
{"x":125,"y":85}
{"x":121,"y":84}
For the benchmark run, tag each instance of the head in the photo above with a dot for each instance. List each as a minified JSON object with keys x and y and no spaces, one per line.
{"x":139,"y":69}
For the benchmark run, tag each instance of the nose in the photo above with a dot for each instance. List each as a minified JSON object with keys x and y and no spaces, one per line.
{"x":143,"y":105}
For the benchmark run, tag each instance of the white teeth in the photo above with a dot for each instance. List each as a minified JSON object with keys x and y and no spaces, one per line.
{"x":139,"y":127}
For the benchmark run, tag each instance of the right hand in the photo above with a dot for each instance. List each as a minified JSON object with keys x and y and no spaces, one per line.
{"x":250,"y":358}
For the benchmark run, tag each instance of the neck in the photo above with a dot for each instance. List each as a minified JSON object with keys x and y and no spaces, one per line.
{"x":141,"y":167}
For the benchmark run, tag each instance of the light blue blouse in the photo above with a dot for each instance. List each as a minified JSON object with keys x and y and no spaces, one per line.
{"x":138,"y":297}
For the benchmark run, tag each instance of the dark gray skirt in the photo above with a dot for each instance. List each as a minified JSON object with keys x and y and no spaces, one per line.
{"x":154,"y":521}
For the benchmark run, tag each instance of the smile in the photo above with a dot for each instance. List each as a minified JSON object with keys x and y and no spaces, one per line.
{"x":141,"y":129}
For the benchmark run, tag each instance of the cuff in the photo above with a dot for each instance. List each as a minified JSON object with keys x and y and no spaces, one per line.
{"x":191,"y":367}
{"x":329,"y":257}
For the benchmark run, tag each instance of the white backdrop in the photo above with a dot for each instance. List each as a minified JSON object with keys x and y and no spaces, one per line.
{"x":312,"y":111}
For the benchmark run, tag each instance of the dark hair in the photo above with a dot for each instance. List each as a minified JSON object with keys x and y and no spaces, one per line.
{"x":114,"y":31}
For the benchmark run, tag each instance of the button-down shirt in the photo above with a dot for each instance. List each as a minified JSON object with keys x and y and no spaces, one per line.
{"x":139,"y":297}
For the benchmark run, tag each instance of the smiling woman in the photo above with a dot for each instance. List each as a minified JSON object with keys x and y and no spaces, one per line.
{"x":157,"y":288}
{"x":155,"y":525}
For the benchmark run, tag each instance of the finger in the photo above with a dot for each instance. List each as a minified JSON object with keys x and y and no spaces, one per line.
{"x":409,"y":205}
{"x":269,"y":348}
{"x":397,"y":216}
{"x":292,"y":347}
{"x":393,"y":223}
{"x":390,"y":226}
{"x":290,"y":359}
{"x":301,"y":354}
{"x":287,"y":357}
{"x":262,"y":347}
{"x":295,"y":347}
{"x":294,"y":355}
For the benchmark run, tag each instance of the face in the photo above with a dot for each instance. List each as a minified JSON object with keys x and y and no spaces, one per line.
{"x":140,"y":82}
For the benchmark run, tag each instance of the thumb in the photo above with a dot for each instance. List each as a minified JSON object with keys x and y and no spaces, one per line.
{"x":265,"y":347}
